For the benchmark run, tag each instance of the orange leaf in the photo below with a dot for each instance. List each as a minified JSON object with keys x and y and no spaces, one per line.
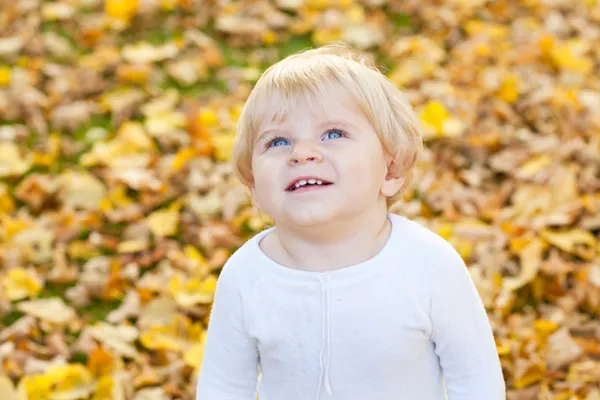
{"x":100,"y":362}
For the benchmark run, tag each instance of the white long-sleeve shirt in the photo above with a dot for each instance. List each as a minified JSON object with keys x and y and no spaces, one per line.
{"x":390,"y":328}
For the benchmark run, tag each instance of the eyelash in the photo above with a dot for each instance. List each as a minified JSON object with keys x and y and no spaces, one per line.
{"x":275,"y":138}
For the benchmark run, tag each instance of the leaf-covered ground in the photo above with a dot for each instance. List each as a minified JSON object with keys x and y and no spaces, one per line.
{"x":118,"y":207}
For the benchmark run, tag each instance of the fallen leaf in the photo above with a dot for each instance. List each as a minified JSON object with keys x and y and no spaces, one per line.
{"x":562,"y":349}
{"x":51,"y":309}
{"x":576,"y":241}
{"x":12,"y":162}
{"x":21,"y":283}
{"x":530,"y":258}
{"x":117,"y":338}
{"x":163,"y":222}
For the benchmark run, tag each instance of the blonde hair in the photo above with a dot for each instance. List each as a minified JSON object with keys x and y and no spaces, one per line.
{"x":303,"y":77}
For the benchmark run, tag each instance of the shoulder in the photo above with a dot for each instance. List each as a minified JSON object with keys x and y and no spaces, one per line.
{"x":241,"y":267}
{"x":426,"y":250}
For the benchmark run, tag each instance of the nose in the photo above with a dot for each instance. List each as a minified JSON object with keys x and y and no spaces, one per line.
{"x":302,"y":154}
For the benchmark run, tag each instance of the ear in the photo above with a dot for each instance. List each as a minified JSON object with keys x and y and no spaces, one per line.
{"x":392,"y":182}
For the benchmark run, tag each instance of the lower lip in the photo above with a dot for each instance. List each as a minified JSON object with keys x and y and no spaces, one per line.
{"x":308,"y":188}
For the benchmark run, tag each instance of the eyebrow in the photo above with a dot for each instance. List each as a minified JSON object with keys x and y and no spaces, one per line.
{"x":264,"y":133}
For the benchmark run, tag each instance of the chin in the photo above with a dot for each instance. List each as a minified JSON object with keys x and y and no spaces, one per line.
{"x":308,"y":216}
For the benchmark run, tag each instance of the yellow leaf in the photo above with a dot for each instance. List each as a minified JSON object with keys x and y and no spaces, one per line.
{"x":20,"y":283}
{"x":517,"y":244}
{"x":121,"y":9}
{"x":193,"y":356}
{"x":138,"y":73}
{"x":323,"y":36}
{"x":576,"y":241}
{"x":546,"y":43}
{"x":132,"y":246}
{"x":535,"y":165}
{"x":509,"y":89}
{"x":483,"y":49}
{"x":192,"y":253}
{"x":434,"y":114}
{"x":130,"y":142}
{"x":445,"y":230}
{"x":164,"y":122}
{"x":463,"y":247}
{"x":163,"y":222}
{"x":223,"y":146}
{"x":503,"y":349}
{"x":157,"y":340}
{"x":527,"y":373}
{"x":36,"y":387}
{"x":356,"y":14}
{"x":318,"y":4}
{"x":104,"y":388}
{"x":4,"y":76}
{"x":58,"y":379}
{"x":178,"y":335}
{"x":168,"y":5}
{"x":490,"y":29}
{"x":564,"y":57}
{"x":7,"y":204}
{"x":80,"y":249}
{"x":269,"y":37}
{"x":182,"y":157}
{"x":545,"y":327}
{"x":208,"y":118}
{"x":193,"y":291}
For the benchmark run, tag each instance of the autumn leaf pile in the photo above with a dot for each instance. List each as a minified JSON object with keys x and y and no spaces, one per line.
{"x":118,"y":207}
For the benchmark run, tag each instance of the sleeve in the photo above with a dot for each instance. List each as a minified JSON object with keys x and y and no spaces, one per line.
{"x":462,"y":334}
{"x":229,"y":368}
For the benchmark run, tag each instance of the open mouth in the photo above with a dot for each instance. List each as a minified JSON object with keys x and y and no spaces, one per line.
{"x":305,"y":183}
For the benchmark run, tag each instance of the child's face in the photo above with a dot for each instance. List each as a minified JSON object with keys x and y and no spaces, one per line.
{"x":336,"y":146}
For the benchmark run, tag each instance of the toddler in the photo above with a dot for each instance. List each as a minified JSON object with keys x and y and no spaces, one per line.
{"x":340,"y":300}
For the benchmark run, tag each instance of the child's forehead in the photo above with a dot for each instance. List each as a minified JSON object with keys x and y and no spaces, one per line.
{"x":328,"y":105}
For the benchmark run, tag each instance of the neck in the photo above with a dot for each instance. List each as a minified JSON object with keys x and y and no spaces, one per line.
{"x":337,"y":244}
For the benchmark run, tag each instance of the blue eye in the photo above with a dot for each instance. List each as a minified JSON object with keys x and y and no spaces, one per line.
{"x":334,"y":134}
{"x":277,"y":142}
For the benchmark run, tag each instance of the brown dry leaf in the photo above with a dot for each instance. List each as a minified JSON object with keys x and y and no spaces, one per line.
{"x":117,"y":338}
{"x":562,"y":349}
{"x":530,"y":258}
{"x":81,"y":191}
{"x":527,"y":373}
{"x":130,"y":307}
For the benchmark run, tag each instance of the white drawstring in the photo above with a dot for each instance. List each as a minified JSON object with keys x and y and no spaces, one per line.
{"x":325,"y":337}
{"x":327,"y":382}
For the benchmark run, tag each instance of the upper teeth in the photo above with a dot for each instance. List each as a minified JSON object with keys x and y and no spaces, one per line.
{"x":310,"y":181}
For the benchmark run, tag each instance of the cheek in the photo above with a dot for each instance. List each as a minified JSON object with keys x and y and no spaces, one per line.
{"x":266,"y":182}
{"x":368,"y":168}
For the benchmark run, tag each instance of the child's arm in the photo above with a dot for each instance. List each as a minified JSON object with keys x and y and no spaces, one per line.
{"x":229,"y":367}
{"x":462,"y":334}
